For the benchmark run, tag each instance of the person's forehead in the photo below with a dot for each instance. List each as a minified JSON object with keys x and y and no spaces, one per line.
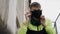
{"x":35,"y":7}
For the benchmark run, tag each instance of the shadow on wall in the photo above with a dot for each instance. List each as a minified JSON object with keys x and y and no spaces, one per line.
{"x":3,"y":28}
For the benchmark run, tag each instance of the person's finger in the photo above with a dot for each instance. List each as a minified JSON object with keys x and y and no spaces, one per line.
{"x":28,"y":15}
{"x":42,"y":18}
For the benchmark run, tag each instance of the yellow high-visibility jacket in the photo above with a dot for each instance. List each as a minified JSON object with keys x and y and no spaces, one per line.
{"x":49,"y":29}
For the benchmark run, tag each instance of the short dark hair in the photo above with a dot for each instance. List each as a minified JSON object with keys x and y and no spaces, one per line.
{"x":35,"y":4}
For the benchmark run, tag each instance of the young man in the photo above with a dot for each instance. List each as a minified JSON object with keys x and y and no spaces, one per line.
{"x":35,"y":22}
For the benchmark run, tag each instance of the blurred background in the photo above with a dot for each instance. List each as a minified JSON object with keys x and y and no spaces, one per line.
{"x":12,"y":12}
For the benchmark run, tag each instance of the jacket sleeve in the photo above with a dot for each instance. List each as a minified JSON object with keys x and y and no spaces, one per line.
{"x":49,"y":28}
{"x":23,"y":29}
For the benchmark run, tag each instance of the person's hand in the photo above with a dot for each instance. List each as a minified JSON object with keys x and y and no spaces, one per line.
{"x":43,"y":21}
{"x":27,"y":16}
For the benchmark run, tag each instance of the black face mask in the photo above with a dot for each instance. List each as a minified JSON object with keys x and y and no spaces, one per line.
{"x":36,"y":13}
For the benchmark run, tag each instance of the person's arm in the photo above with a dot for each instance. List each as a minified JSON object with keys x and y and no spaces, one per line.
{"x":27,"y":16}
{"x":47,"y":24}
{"x":23,"y":29}
{"x":49,"y":28}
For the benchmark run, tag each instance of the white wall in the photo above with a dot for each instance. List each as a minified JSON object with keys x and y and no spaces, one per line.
{"x":4,"y":7}
{"x":1,"y":6}
{"x":26,"y":7}
{"x":20,"y":11}
{"x":8,"y":10}
{"x":11,"y":22}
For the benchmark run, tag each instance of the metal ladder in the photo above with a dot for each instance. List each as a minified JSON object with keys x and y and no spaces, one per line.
{"x":55,"y":23}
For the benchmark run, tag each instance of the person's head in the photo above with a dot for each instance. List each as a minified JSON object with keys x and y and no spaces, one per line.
{"x":35,"y":9}
{"x":35,"y":6}
{"x":36,"y":12}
